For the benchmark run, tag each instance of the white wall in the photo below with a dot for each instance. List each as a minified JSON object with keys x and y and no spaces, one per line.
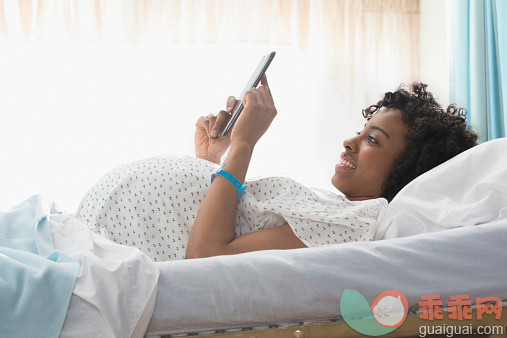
{"x":71,"y":112}
{"x":434,"y":52}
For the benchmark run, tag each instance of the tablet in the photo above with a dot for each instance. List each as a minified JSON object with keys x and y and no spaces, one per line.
{"x":252,"y":83}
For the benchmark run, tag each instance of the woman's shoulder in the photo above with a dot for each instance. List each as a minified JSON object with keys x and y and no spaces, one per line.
{"x":289,"y":189}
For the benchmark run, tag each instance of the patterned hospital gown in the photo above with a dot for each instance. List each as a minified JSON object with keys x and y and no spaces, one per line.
{"x":152,"y":204}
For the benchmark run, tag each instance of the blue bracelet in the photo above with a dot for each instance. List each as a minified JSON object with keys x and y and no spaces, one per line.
{"x":241,"y":188}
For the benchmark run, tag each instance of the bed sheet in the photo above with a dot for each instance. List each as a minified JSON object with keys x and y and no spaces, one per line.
{"x":278,"y":287}
{"x":116,"y":285}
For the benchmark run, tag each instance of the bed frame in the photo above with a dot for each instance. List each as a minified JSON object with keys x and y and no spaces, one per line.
{"x":410,"y":328}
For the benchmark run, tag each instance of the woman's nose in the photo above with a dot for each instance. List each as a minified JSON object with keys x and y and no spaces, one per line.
{"x":350,"y":144}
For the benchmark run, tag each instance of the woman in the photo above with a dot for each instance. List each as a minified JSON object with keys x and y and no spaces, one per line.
{"x":161,"y":204}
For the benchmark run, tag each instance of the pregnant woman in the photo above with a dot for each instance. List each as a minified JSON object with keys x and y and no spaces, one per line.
{"x":179,"y":207}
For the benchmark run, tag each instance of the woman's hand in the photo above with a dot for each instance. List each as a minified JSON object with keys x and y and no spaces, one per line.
{"x":258,"y":113}
{"x":208,"y":145}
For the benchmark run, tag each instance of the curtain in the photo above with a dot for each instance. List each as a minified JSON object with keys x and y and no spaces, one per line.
{"x":478,"y":64}
{"x":364,"y":44}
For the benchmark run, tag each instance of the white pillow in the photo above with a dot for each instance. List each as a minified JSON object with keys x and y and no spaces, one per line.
{"x":469,"y":189}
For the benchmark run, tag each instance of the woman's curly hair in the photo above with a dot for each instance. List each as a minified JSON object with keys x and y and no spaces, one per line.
{"x":435,"y":135}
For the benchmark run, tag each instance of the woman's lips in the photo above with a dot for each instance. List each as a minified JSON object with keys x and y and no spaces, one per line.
{"x":339,"y":166}
{"x":345,"y":163}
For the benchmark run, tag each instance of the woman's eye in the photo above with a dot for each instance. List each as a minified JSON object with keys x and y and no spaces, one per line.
{"x":371,"y":139}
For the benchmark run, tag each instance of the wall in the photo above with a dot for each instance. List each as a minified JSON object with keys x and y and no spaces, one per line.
{"x":434,"y":53}
{"x":71,"y":112}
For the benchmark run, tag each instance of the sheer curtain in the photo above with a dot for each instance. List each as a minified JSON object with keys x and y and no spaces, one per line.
{"x":88,"y":85}
{"x":356,"y":42}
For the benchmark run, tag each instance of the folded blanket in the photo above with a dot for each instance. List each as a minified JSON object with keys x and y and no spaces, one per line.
{"x":36,"y":281}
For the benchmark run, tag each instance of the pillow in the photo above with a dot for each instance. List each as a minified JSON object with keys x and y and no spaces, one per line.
{"x":469,"y":189}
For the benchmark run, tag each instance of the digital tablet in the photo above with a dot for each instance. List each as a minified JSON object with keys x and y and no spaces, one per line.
{"x":252,"y":83}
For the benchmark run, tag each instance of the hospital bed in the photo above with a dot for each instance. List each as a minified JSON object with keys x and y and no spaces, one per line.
{"x":278,"y":288}
{"x":296,"y":293}
{"x":444,"y":234}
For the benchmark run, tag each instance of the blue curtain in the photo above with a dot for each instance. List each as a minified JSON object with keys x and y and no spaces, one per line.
{"x":478,"y":64}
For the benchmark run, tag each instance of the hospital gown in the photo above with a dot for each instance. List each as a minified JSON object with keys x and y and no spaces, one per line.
{"x":152,"y":204}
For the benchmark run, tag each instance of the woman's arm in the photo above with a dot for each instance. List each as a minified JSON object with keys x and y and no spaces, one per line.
{"x":213,"y":230}
{"x":281,"y":237}
{"x":214,"y":225}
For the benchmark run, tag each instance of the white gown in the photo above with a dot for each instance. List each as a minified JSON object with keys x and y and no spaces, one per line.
{"x":152,"y":204}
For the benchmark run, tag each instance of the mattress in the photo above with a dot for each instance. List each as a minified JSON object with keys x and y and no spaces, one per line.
{"x":281,"y":287}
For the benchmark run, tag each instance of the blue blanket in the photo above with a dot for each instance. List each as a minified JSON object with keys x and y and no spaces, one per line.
{"x":36,"y":282}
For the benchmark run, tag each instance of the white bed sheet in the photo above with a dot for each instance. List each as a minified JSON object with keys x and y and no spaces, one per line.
{"x":116,"y":286}
{"x":290,"y":286}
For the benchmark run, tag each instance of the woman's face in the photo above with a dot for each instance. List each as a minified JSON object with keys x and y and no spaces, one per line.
{"x":371,"y":156}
